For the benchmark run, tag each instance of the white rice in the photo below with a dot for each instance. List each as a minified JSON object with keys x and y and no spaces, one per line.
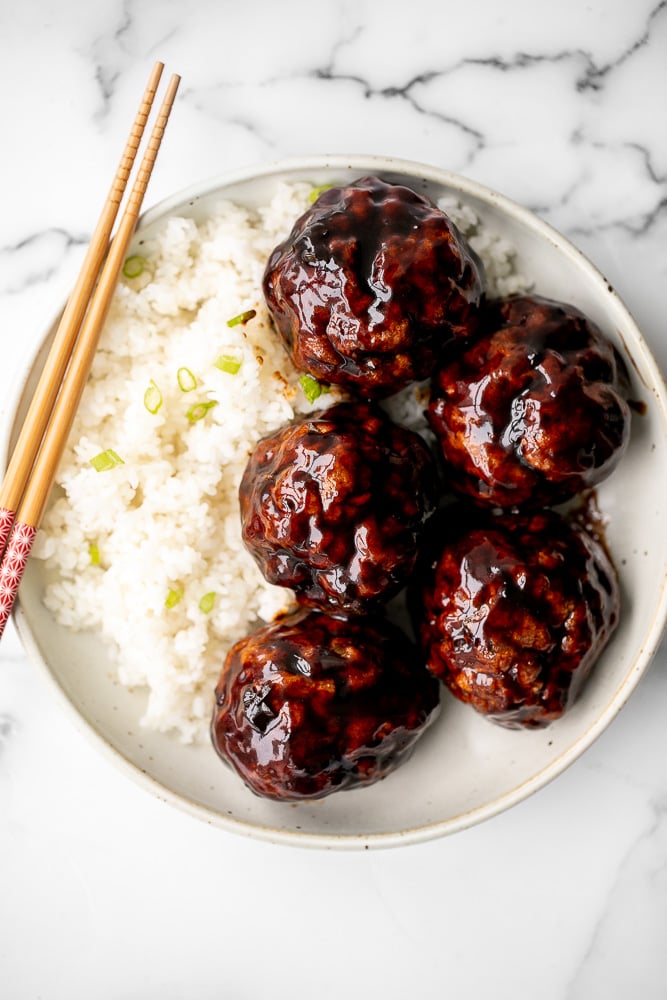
{"x":497,"y":253}
{"x":133,"y":550}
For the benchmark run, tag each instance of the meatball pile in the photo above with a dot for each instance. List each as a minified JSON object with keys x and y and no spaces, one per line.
{"x":511,"y":602}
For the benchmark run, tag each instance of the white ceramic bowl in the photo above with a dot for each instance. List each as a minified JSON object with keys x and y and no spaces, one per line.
{"x":465,"y":769}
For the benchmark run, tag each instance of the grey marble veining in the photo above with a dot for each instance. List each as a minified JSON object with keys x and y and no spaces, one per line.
{"x":108,"y":892}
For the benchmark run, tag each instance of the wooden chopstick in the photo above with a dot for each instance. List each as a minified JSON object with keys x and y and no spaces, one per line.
{"x":31,"y":433}
{"x":66,"y":392}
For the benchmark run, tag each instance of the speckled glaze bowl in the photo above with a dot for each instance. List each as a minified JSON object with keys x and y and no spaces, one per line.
{"x":464,"y":770}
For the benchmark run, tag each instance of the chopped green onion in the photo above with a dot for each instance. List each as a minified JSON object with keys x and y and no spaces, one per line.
{"x":106,"y":460}
{"x":207,"y":602}
{"x":228,"y":363}
{"x":312,"y":389}
{"x":152,"y":397}
{"x":317,"y":191}
{"x":199,"y":410}
{"x":186,"y":380}
{"x":134,"y":266}
{"x":173,"y":598}
{"x":94,"y":553}
{"x":242,"y":317}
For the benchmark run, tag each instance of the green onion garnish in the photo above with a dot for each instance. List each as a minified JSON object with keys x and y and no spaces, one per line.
{"x":228,"y":363}
{"x":94,"y":553}
{"x":242,"y":317}
{"x":199,"y":410}
{"x":186,"y":380}
{"x":173,"y":598}
{"x":106,"y":460}
{"x":207,"y":602}
{"x":317,"y":191}
{"x":134,"y":266}
{"x":152,"y":397}
{"x":312,"y":389}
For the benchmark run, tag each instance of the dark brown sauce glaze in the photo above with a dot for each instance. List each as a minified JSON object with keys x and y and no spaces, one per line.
{"x":314,"y":704}
{"x":512,"y":611}
{"x":373,"y":289}
{"x":333,"y":506}
{"x":370,"y":286}
{"x":534,"y":410}
{"x":585,"y":512}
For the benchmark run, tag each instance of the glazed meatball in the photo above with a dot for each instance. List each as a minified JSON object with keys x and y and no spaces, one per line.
{"x":333,"y":506}
{"x":370,"y":286}
{"x":535,"y":410}
{"x":313,"y":704}
{"x":512,"y":611}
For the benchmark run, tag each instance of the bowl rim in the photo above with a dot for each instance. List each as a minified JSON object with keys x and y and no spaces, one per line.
{"x":654,"y":632}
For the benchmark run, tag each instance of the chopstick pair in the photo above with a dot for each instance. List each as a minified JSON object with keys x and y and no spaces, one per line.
{"x":43,"y":435}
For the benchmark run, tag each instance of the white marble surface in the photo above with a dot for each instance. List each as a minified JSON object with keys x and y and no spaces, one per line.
{"x":108,"y":893}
